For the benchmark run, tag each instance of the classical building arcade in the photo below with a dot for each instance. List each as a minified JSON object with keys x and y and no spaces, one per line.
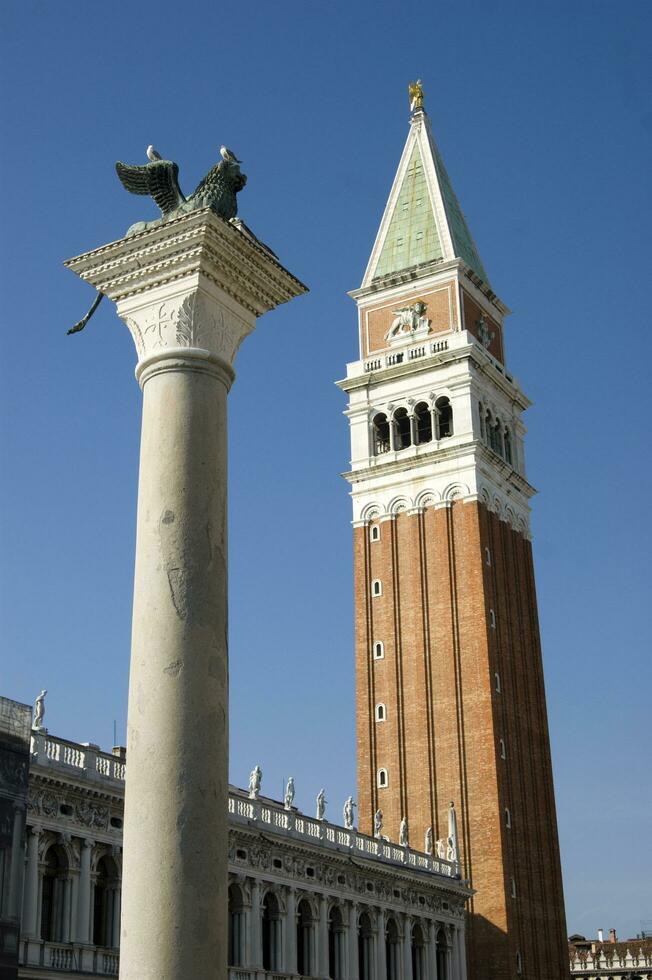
{"x":306,"y":897}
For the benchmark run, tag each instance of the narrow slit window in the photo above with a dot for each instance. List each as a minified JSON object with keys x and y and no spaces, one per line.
{"x":381,"y":713}
{"x":382,"y":779}
{"x":374,"y":533}
{"x":492,"y":619}
{"x":376,"y":587}
{"x":497,"y":687}
{"x":487,"y":557}
{"x":379,"y":650}
{"x":513,"y":887}
{"x":503,"y":753}
{"x":508,"y":819}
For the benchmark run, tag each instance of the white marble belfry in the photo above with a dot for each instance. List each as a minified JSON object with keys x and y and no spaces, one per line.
{"x":189,"y":291}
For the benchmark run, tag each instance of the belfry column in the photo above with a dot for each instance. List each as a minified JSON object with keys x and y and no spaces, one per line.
{"x":189,"y":290}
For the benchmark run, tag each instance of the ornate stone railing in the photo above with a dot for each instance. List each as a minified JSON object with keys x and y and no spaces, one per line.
{"x":395,"y":357}
{"x":263,"y":814}
{"x":48,"y":750}
{"x":69,"y":957}
{"x":70,"y":756}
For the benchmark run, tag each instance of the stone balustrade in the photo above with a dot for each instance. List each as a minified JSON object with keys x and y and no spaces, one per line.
{"x":69,"y":957}
{"x":395,"y":357}
{"x":263,"y":814}
{"x":47,"y":750}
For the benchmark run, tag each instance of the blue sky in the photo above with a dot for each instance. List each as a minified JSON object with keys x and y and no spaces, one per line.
{"x":542,"y":113}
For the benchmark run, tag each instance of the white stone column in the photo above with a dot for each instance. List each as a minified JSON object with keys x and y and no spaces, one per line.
{"x":31,"y":891}
{"x":66,"y":887}
{"x":17,"y":862}
{"x":352,"y":942}
{"x":291,"y":931}
{"x":381,"y":963}
{"x":461,"y":953}
{"x":322,"y":942}
{"x":407,"y":947}
{"x":432,"y":951}
{"x":256,"y":950}
{"x":115,"y":937}
{"x":189,"y":291}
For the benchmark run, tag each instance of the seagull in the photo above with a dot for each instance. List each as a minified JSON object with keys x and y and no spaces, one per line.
{"x":153,"y":154}
{"x":228,"y":155}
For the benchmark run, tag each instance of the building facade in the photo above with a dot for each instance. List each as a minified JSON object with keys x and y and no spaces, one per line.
{"x":450,"y":690}
{"x":617,"y":959}
{"x":306,"y":897}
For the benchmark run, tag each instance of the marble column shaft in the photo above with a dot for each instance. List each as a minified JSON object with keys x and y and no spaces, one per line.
{"x":189,"y":290}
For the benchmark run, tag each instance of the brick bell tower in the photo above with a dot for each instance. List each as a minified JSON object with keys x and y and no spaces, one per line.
{"x":450,"y":693}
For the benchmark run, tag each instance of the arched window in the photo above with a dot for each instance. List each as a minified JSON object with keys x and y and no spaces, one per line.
{"x":106,"y":898}
{"x":444,"y":416}
{"x":381,"y":714}
{"x":365,"y":948}
{"x":379,"y":650}
{"x":376,"y":587}
{"x":382,"y":779}
{"x":271,"y":932}
{"x":423,"y":423}
{"x":402,"y":423}
{"x":441,"y":955}
{"x":374,"y":533}
{"x":54,"y":894}
{"x":497,"y":687}
{"x":336,"y":961}
{"x":305,"y":939}
{"x":380,"y":429}
{"x":503,"y":752}
{"x":508,"y":446}
{"x":496,"y":438}
{"x":419,"y":971}
{"x":508,"y":818}
{"x":236,"y":926}
{"x":392,"y":950}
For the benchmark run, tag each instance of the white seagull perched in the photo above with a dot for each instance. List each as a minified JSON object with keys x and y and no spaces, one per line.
{"x":153,"y":154}
{"x":228,"y":155}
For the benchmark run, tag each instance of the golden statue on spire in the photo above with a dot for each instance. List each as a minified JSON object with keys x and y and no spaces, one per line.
{"x":416,"y":95}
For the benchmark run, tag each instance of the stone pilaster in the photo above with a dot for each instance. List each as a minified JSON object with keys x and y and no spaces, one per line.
{"x":189,"y":291}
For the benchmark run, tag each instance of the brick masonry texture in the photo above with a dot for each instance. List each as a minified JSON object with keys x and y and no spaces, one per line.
{"x":445,"y":719}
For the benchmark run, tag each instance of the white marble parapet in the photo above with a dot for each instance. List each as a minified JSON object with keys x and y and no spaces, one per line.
{"x":272,"y":817}
{"x":67,"y":958}
{"x":47,"y":750}
{"x":264,"y":814}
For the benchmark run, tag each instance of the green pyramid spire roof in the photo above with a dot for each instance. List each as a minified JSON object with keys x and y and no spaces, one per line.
{"x":423,"y":221}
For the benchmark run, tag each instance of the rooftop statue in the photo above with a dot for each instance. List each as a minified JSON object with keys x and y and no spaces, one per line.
{"x":416,"y":95}
{"x":159,"y":180}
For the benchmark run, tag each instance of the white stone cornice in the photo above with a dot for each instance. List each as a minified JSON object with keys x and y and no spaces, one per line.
{"x":199,"y":243}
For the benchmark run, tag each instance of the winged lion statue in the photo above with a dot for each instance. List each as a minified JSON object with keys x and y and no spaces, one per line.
{"x":159,"y":179}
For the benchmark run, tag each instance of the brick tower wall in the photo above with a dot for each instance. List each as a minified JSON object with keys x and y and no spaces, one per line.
{"x":441,"y":737}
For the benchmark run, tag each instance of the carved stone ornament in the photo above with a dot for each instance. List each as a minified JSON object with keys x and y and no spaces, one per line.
{"x":485,"y":335}
{"x":410,"y":322}
{"x":191,"y":321}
